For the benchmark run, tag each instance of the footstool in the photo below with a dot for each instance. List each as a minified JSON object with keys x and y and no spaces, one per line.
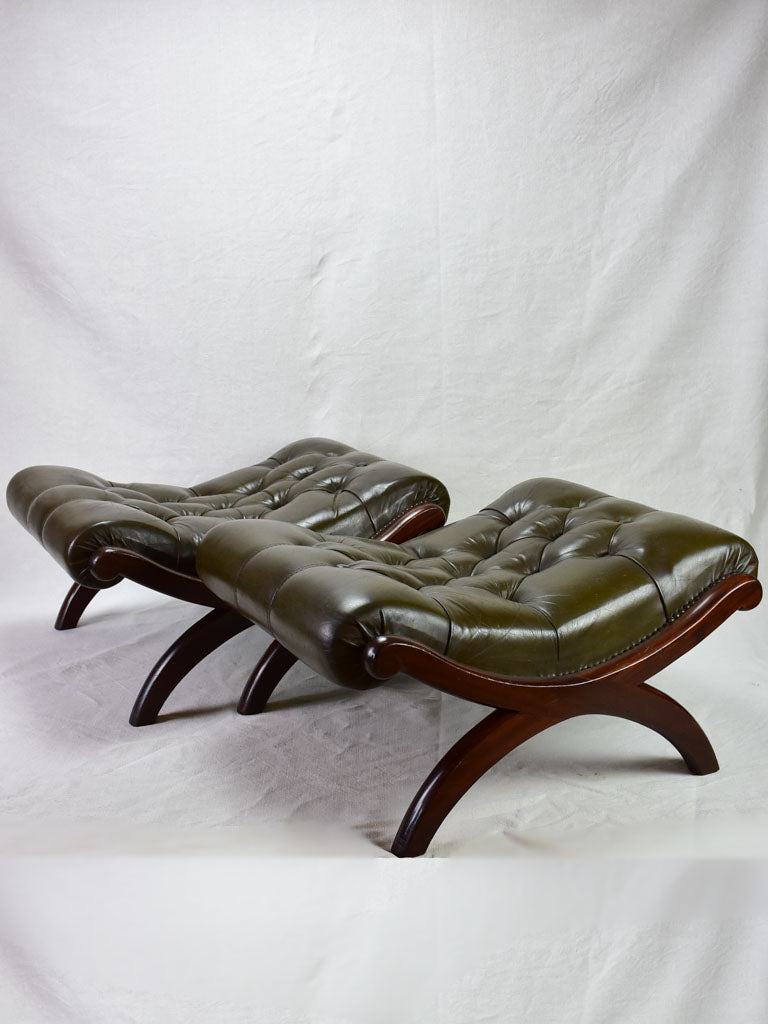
{"x":554,"y":601}
{"x":102,"y":532}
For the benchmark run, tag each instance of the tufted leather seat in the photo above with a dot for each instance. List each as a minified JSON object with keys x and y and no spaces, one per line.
{"x":550,"y":579}
{"x":322,"y":484}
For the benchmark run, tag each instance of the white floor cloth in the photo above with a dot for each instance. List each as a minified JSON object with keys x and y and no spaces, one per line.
{"x":219,"y":868}
{"x":308,"y":941}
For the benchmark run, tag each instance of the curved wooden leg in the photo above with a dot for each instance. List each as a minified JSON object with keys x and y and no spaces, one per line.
{"x":273,"y":665}
{"x":502,"y":731}
{"x":658,"y":711}
{"x":74,"y":604}
{"x":210,"y":632}
{"x":468,"y":759}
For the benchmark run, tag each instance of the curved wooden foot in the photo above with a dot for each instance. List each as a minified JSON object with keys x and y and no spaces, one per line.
{"x":498,"y":734}
{"x":74,"y":604}
{"x":468,"y":759}
{"x":261,"y":684}
{"x":210,"y":632}
{"x":658,"y":711}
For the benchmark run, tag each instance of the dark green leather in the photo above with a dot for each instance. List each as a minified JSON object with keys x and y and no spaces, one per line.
{"x":550,"y":579}
{"x":322,"y":484}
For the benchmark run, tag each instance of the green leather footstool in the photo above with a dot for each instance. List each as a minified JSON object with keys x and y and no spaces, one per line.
{"x":554,"y":601}
{"x":102,"y":532}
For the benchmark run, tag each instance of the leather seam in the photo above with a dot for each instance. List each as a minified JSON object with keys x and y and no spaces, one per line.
{"x":651,"y":578}
{"x":56,"y":508}
{"x":284,"y":580}
{"x":449,"y":619}
{"x":363,"y":505}
{"x":549,"y":620}
{"x":244,"y":565}
{"x":683,"y":608}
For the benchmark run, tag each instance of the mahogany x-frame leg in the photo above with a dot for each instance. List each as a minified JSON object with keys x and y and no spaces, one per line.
{"x":525,"y":707}
{"x":196,"y":643}
{"x":501,"y":732}
{"x":658,"y":711}
{"x":467,"y":760}
{"x":74,"y":604}
{"x":273,"y":665}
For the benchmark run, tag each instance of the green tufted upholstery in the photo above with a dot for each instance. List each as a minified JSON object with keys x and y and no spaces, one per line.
{"x":319,"y":483}
{"x":550,"y":579}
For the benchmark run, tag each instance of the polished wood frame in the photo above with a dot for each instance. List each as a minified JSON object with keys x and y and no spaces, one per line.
{"x":111,"y":565}
{"x":222,"y":622}
{"x":527,"y":706}
{"x":74,"y":604}
{"x":523,"y":706}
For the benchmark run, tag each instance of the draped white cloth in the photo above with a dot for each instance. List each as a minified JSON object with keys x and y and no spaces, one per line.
{"x":494,"y":240}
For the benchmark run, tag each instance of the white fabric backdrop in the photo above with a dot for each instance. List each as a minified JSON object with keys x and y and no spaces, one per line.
{"x":491,"y":239}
